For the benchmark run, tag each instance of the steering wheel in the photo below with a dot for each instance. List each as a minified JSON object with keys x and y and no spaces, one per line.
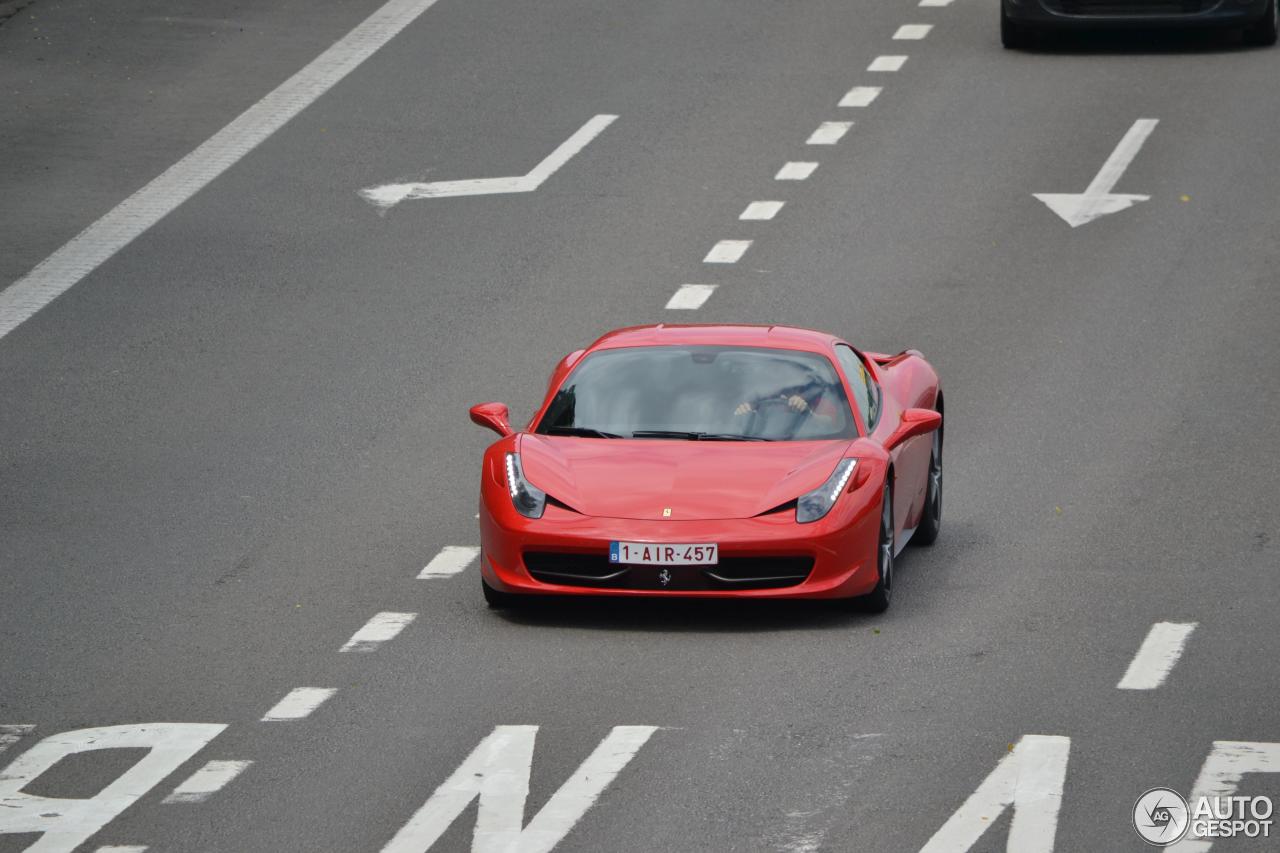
{"x":771,"y":402}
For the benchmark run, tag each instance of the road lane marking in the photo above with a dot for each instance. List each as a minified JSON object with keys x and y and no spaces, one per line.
{"x":451,"y":560}
{"x":497,"y":774}
{"x":935,"y":3}
{"x":829,"y":133}
{"x":298,"y":704}
{"x":1157,"y":655}
{"x":379,"y":629}
{"x":207,"y":781}
{"x":795,"y":171}
{"x":887,"y":63}
{"x":135,"y":215}
{"x":389,"y":195}
{"x":1097,"y":200}
{"x":12,"y":733}
{"x":727,"y":252}
{"x":689,"y":297}
{"x":117,"y":848}
{"x":860,"y":96}
{"x":66,"y":823}
{"x":1030,"y":779}
{"x":912,"y":32}
{"x":1220,"y":776}
{"x":762,"y":210}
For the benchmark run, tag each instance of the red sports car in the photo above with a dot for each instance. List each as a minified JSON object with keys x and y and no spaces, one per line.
{"x":713,"y":462}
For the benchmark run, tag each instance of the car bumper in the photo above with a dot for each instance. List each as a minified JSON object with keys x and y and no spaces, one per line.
{"x":1136,"y":13}
{"x":839,"y":553}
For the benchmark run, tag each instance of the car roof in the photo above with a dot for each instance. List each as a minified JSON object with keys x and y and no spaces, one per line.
{"x":665,"y":334}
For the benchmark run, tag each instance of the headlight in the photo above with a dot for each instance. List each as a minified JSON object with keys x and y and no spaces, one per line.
{"x":816,"y":504}
{"x":527,"y":498}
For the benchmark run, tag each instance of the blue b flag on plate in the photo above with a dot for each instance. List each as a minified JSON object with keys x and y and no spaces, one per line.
{"x":613,"y":552}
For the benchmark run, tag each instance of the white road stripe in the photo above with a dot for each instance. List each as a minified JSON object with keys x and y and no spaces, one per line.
{"x":12,"y":733}
{"x":690,"y":296}
{"x":887,"y":63}
{"x":795,"y":171}
{"x":1155,"y":659}
{"x":935,"y":2}
{"x":912,"y":32}
{"x":298,"y":704}
{"x":727,"y":252}
{"x":377,"y":631}
{"x":1224,"y":768}
{"x":829,"y":133}
{"x":206,"y":781}
{"x":116,"y":848}
{"x":762,"y":210}
{"x":132,"y":217}
{"x":860,"y":96}
{"x":451,"y":560}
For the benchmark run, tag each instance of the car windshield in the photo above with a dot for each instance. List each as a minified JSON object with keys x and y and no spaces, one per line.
{"x":715,"y":393}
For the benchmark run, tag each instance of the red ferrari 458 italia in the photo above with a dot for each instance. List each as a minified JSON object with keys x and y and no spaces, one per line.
{"x":714,"y":462}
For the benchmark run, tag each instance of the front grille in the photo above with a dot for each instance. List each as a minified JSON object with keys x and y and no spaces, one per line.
{"x":595,"y":570}
{"x":1134,"y":8}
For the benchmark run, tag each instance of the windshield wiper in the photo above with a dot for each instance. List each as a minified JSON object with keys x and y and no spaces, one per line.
{"x":695,"y":436}
{"x":587,"y":432}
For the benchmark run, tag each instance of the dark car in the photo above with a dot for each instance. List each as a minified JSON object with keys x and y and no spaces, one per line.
{"x":1022,"y":20}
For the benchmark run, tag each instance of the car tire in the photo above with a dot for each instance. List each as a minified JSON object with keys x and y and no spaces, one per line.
{"x":1012,"y":34}
{"x":499,"y":600}
{"x":877,"y":601}
{"x":1263,"y":33}
{"x":931,"y":516}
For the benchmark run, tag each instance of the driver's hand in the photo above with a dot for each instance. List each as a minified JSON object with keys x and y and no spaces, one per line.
{"x":743,"y":409}
{"x":797,"y":404}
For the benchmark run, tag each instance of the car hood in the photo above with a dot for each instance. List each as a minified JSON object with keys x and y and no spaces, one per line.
{"x":639,"y":478}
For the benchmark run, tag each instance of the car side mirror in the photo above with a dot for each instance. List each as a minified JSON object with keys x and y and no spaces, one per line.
{"x":914,"y":422}
{"x":495,"y":416}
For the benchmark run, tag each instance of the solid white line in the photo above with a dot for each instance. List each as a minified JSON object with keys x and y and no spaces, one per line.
{"x":206,"y":781}
{"x":690,"y":296}
{"x":377,"y":631}
{"x":117,"y":848}
{"x":60,"y":271}
{"x":727,"y":252}
{"x":1112,"y":170}
{"x":451,"y":560}
{"x":887,"y":63}
{"x":912,"y":32}
{"x":298,"y":703}
{"x":935,"y":2}
{"x":794,"y":171}
{"x":829,"y":133}
{"x":1154,"y":661}
{"x":762,"y":210}
{"x":12,"y":733}
{"x":860,"y":96}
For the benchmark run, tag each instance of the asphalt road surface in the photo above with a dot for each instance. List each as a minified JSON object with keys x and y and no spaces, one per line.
{"x":242,"y":434}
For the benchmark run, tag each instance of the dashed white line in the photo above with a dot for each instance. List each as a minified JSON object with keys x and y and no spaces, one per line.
{"x":762,"y":210}
{"x":117,"y":848}
{"x":912,"y":32}
{"x":1156,"y":657}
{"x":935,"y":2}
{"x":135,"y":215}
{"x":206,"y":781}
{"x":690,"y":297}
{"x":829,"y":133}
{"x":795,"y":171}
{"x":298,"y":704}
{"x":860,"y":96}
{"x":377,"y":631}
{"x":887,"y":63}
{"x":451,"y":560}
{"x":727,"y":252}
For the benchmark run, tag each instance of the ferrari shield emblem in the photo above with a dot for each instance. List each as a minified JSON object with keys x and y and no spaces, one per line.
{"x":664,"y":577}
{"x":666,"y":512}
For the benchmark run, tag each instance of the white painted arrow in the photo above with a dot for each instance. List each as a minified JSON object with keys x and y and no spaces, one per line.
{"x":1097,"y":200}
{"x":389,"y":195}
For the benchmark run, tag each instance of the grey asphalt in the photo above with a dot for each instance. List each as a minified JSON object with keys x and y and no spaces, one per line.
{"x":243,"y":435}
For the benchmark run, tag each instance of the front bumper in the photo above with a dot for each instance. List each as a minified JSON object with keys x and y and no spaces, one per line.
{"x":841,"y":548}
{"x":1136,"y":13}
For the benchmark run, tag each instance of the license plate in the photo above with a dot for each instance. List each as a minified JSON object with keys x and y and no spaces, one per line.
{"x":659,"y":554}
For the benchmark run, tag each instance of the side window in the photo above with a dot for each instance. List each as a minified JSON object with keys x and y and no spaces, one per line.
{"x":866,"y":396}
